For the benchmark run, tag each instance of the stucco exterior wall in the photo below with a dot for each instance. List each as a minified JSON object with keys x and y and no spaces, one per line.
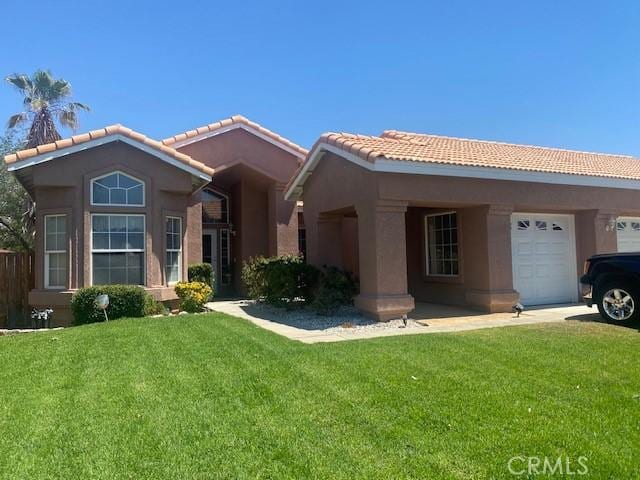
{"x":62,"y":186}
{"x":241,"y":147}
{"x":484,"y":209}
{"x":255,"y":172}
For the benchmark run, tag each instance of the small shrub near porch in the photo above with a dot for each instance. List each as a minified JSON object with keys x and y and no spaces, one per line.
{"x":280,"y":281}
{"x":201,"y":272}
{"x":124,"y":301}
{"x":286,"y":281}
{"x":335,"y":289}
{"x":193,"y":295}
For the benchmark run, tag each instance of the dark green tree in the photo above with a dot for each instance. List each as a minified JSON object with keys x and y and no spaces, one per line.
{"x":16,"y":209}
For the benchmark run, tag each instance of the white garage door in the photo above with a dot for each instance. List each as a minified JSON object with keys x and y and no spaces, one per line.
{"x":544,"y":258}
{"x":628,"y":234}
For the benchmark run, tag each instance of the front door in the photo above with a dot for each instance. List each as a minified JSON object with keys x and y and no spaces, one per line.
{"x":216,"y":252}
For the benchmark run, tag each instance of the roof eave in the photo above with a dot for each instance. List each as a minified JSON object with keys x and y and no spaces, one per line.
{"x":45,"y":157}
{"x":434,"y":167}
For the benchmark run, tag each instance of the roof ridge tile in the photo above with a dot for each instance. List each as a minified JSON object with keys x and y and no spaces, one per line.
{"x":399,"y":134}
{"x":235,"y":119}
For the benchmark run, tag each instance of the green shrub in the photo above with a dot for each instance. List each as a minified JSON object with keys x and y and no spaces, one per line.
{"x":124,"y":301}
{"x":281,"y":281}
{"x":153,"y":306}
{"x":335,"y":289}
{"x":193,"y":295}
{"x":202,"y":272}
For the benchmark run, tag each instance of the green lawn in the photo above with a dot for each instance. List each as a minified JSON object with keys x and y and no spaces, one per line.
{"x":215,"y":397}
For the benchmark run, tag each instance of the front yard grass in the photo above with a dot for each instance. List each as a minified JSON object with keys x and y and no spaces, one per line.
{"x":211,"y":396}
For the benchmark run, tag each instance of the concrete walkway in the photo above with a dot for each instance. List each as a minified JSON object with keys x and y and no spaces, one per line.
{"x":427,"y":318}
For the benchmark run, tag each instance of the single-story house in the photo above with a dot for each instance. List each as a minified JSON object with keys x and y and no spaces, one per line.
{"x":466,"y":222}
{"x":416,"y":217}
{"x":114,"y":206}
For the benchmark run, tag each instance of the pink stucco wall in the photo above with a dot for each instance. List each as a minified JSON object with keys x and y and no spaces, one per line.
{"x":390,"y":214}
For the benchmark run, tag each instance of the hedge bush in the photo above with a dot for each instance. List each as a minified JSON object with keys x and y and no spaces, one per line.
{"x":193,"y":295}
{"x":124,"y":301}
{"x":201,"y":272}
{"x":281,"y":281}
{"x":336,"y":288}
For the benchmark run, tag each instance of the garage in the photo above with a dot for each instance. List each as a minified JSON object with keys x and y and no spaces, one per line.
{"x":628,"y":230}
{"x":544,"y":258}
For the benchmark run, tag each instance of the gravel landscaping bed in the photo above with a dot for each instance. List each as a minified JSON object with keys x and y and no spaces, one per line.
{"x":345,"y":320}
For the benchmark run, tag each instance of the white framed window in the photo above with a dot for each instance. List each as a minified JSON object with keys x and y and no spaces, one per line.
{"x":117,"y":249}
{"x":55,"y":251}
{"x":173,"y":265}
{"x":117,"y":189}
{"x":441,"y":235}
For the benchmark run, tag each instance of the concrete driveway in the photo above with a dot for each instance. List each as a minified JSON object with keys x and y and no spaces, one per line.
{"x":426,"y":318}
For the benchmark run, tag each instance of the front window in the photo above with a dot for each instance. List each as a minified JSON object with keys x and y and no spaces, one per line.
{"x":117,"y":249}
{"x":174,"y":249}
{"x":117,"y":189}
{"x":442,"y":244}
{"x":55,"y":251}
{"x":215,"y":207}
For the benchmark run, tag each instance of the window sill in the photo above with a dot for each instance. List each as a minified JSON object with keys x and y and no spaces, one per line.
{"x":447,"y":279}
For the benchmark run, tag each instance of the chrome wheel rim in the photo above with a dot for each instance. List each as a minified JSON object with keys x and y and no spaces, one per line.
{"x":618,"y":304}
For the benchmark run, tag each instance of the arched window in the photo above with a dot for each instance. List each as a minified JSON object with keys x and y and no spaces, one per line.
{"x":118,"y":189}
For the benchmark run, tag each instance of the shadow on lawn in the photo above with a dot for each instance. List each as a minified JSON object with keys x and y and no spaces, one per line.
{"x":596,"y":318}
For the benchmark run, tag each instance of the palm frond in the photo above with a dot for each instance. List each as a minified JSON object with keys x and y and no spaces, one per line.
{"x":68,"y":118}
{"x":59,"y":90}
{"x":17,"y":119}
{"x":21,"y":81}
{"x":42,"y":83}
{"x":80,"y":106}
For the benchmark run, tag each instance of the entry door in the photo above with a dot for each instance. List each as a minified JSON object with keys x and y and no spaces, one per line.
{"x":216,"y":250}
{"x":544,"y":258}
{"x":210,"y":251}
{"x":628,"y":230}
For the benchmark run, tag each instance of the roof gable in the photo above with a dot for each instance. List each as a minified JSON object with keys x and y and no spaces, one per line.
{"x":77,"y":143}
{"x":232,"y":123}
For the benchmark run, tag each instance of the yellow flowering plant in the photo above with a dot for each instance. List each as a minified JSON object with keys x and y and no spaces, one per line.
{"x":193,"y":295}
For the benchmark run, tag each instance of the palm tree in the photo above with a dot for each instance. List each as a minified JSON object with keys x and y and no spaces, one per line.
{"x":44,"y":99}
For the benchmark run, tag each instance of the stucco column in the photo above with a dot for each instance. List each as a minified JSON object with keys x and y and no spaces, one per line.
{"x":383,"y":260}
{"x":594,"y":234}
{"x":193,"y":241}
{"x":489,"y":270}
{"x":283,"y":223}
{"x":328,"y":247}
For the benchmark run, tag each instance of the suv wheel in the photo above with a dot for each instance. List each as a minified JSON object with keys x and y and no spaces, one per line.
{"x":618,"y":301}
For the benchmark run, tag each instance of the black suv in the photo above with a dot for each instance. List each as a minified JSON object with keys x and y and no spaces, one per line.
{"x":612,"y":282}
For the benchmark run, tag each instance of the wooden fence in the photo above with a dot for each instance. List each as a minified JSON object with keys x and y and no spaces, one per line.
{"x":16,"y":279}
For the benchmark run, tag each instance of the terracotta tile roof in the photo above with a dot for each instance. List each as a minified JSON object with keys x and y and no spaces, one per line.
{"x":105,"y":132}
{"x":413,"y":147}
{"x":235,"y":120}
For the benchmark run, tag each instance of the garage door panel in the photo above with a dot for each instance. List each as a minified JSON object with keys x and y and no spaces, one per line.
{"x":544,"y":264}
{"x":628,"y":231}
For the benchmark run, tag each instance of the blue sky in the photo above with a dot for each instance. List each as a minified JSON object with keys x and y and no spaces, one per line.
{"x":556,"y":73}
